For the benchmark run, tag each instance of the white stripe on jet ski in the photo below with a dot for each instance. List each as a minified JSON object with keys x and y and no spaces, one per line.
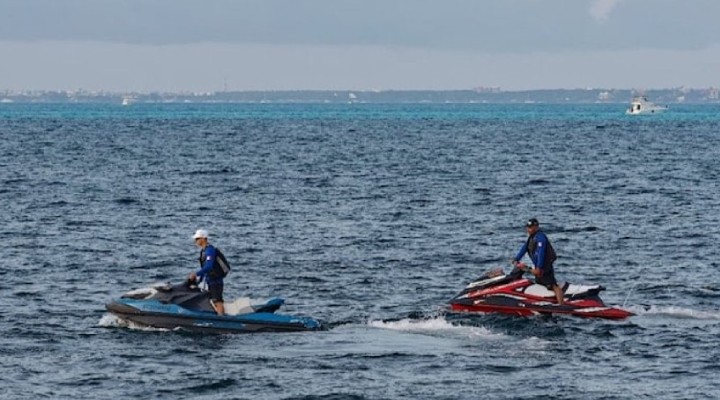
{"x":592,"y":309}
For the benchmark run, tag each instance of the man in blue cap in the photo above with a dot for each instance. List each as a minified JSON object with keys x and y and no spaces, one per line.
{"x":542,"y":254}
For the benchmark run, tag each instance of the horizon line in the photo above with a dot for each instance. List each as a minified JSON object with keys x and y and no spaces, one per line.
{"x":478,"y":89}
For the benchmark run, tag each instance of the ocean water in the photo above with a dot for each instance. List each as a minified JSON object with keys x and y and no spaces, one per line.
{"x":370,"y":218}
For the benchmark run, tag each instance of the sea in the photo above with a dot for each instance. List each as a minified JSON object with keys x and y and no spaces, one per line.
{"x":370,"y":218}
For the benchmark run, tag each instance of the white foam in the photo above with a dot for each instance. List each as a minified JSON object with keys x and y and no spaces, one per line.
{"x":677,"y":312}
{"x":109,"y":321}
{"x":439,"y":327}
{"x":112,"y":321}
{"x":435,"y":325}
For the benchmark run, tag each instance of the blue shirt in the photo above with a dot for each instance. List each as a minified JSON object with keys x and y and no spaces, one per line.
{"x":538,"y":258}
{"x":208,"y":262}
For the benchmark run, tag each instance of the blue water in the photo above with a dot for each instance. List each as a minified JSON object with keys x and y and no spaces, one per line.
{"x":369,"y":217}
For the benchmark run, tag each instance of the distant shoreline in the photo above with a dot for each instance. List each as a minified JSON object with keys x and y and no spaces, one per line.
{"x":479,"y":95}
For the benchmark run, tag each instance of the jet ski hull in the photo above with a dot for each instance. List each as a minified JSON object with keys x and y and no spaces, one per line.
{"x":496,"y":292}
{"x":529,"y":309}
{"x":156,"y":314}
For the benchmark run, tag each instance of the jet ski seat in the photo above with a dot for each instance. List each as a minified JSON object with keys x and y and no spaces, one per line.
{"x":239,"y":306}
{"x":539,"y":291}
{"x":570,"y":290}
{"x":581,"y":290}
{"x":246,"y":305}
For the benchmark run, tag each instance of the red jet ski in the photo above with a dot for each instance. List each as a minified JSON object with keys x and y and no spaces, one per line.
{"x":497,"y":292}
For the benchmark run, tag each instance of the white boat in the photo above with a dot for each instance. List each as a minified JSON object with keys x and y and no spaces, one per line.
{"x":128,"y":100}
{"x":641,"y":105}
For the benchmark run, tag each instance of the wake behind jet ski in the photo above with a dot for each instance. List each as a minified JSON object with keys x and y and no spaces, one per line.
{"x":497,"y":292}
{"x":186,"y":307}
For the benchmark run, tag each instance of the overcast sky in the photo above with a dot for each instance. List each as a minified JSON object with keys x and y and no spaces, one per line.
{"x":210,"y":45}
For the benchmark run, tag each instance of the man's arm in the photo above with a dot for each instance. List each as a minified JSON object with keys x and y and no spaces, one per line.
{"x":520,"y":253}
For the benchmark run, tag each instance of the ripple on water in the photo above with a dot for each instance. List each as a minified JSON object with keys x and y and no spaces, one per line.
{"x":369,"y":217}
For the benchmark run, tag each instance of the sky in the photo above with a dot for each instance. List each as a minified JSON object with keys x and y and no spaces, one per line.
{"x":215,"y":45}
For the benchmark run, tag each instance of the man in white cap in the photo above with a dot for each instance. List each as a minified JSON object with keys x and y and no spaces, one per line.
{"x":213,"y":268}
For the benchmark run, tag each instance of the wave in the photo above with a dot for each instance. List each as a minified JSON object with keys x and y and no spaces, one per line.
{"x":435,"y":325}
{"x":112,"y":321}
{"x":439,"y":328}
{"x":674,"y":311}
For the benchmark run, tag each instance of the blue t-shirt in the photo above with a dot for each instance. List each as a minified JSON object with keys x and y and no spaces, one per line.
{"x":209,"y":255}
{"x":538,"y":258}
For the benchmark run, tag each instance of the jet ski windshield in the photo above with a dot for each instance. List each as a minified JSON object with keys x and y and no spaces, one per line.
{"x":183,"y":294}
{"x":494,"y":277}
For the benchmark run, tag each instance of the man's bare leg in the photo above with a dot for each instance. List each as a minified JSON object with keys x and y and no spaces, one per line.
{"x":559,"y":295}
{"x":220,"y":308}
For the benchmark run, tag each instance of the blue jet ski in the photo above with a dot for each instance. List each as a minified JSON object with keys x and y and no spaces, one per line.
{"x":184,"y":306}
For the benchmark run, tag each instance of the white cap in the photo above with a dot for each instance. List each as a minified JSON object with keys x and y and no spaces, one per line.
{"x":201,"y":233}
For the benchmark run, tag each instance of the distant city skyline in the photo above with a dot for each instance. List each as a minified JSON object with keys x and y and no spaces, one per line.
{"x":241,"y":45}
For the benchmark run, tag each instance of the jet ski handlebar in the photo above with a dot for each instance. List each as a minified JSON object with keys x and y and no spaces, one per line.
{"x":517,"y":271}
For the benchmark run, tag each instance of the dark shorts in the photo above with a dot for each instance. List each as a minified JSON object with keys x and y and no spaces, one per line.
{"x":547,"y":278}
{"x":216,"y":292}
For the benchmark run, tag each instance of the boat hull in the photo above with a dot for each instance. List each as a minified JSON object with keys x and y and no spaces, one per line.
{"x":526,"y":309}
{"x":171,"y":316}
{"x":641,"y":106}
